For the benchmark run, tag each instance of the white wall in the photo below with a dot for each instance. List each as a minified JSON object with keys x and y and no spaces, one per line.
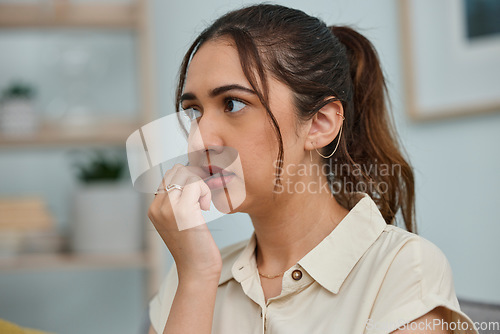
{"x":456,"y":161}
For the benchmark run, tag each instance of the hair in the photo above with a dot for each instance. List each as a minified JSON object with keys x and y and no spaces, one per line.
{"x":318,"y":62}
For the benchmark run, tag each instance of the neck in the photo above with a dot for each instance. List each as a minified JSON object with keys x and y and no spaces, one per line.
{"x":293,"y":227}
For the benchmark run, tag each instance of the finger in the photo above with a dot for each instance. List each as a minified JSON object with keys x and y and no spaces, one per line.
{"x":181,"y":177}
{"x":205,"y":196}
{"x":196,"y":191}
{"x":166,"y":180}
{"x":187,"y":209}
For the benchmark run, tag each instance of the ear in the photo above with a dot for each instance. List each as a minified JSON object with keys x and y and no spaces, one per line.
{"x":325,"y":125}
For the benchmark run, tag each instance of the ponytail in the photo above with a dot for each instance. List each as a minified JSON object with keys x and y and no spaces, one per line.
{"x":371,"y":145}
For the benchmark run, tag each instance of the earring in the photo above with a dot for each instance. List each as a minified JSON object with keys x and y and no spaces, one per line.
{"x":338,"y":141}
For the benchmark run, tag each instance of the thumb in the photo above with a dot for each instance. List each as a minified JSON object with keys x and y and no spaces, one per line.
{"x":205,"y":197}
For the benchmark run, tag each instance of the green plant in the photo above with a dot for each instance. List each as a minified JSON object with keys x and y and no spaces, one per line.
{"x":100,"y":166}
{"x":18,"y":90}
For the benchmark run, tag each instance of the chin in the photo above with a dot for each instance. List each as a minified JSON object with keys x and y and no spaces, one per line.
{"x":229,"y":199}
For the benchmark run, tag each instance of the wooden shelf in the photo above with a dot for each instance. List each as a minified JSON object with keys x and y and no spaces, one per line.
{"x":62,"y":13}
{"x":40,"y":262}
{"x":57,"y":14}
{"x":114,"y":132}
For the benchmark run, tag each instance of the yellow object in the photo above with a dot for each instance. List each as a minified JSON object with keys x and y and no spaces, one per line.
{"x":10,"y":328}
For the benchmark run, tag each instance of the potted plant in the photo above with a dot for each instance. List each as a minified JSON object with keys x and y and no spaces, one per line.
{"x":106,"y":210}
{"x":17,"y":110}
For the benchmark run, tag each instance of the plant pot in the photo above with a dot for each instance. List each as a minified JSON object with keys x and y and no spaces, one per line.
{"x":107,"y":219}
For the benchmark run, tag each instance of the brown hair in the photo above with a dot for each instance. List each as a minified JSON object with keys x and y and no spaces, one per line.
{"x":318,"y":62}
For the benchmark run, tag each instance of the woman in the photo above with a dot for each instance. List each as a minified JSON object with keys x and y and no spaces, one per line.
{"x":290,"y":96}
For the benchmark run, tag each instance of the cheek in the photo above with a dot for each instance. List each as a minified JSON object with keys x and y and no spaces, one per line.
{"x":259,"y":161}
{"x":258,"y":147}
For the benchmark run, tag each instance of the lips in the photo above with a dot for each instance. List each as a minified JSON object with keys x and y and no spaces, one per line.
{"x":213,"y":170}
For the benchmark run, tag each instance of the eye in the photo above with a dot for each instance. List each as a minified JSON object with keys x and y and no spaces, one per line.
{"x":234,"y":105}
{"x":192,"y":113}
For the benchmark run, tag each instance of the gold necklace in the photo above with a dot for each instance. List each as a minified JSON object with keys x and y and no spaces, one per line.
{"x":270,"y":276}
{"x":264,"y":275}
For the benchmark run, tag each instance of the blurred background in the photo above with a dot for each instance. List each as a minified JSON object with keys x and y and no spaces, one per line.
{"x":78,"y":77}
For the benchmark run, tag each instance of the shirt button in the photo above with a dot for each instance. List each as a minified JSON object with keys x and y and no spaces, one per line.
{"x":297,"y":275}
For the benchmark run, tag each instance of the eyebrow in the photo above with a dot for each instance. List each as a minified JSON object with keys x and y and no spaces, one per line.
{"x":217,"y":91}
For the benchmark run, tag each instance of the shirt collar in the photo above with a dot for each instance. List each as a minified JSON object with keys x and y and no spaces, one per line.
{"x":331,"y":261}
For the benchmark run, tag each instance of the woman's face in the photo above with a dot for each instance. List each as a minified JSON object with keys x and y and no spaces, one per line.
{"x":233,"y":130}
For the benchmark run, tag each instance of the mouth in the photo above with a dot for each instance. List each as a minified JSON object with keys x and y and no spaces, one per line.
{"x":217,"y":177}
{"x":215,"y":171}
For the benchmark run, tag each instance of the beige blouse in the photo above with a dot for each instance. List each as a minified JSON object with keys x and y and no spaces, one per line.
{"x":365,"y":277}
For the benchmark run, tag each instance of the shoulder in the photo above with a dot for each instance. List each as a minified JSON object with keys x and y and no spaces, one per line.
{"x":412,"y":260}
{"x":416,"y":277}
{"x":409,"y":244}
{"x":415,"y":254}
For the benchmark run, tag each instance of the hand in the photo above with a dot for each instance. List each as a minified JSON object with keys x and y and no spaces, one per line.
{"x":177,"y":217}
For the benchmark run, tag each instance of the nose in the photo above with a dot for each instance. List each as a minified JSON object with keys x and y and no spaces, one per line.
{"x":205,"y":135}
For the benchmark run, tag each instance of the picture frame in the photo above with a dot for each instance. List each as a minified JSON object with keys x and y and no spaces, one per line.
{"x":449,"y":70}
